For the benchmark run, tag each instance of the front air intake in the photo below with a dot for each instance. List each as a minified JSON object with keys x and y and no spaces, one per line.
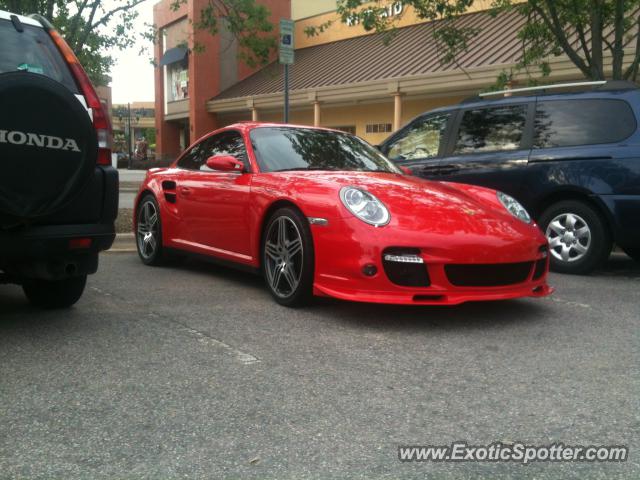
{"x":405,"y":267}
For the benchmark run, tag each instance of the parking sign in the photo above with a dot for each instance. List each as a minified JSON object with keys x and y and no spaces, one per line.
{"x":286,"y":41}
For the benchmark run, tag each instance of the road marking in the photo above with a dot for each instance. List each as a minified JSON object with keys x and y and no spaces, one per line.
{"x":203,"y":338}
{"x":569,"y":303}
{"x":243,"y":357}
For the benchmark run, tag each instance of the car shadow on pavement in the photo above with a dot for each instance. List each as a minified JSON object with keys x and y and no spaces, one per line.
{"x":490,"y":314}
{"x":369,"y":315}
{"x":17,"y":314}
{"x":619,"y":265}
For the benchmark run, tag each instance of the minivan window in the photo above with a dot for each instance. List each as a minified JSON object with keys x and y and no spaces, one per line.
{"x":565,"y":123}
{"x":421,"y":140}
{"x":34,"y":51}
{"x":491,"y":129}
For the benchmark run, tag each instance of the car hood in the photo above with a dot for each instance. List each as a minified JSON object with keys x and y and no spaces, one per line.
{"x":419,"y":205}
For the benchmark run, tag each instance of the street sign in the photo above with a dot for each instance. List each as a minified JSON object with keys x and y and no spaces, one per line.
{"x":286,"y":41}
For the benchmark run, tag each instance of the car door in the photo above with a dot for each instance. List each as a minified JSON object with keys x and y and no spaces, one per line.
{"x":421,"y":143}
{"x":584,"y":144}
{"x":489,"y":146}
{"x":215,"y":204}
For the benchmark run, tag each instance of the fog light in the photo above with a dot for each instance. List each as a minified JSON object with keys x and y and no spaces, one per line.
{"x":369,"y":270}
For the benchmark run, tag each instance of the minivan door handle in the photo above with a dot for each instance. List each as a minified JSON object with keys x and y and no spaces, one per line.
{"x":550,"y":158}
{"x":440,"y":170}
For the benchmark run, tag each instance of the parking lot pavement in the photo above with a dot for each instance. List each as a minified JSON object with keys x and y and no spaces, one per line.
{"x":192,"y":371}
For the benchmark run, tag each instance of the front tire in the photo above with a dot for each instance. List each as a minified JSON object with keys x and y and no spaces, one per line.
{"x":149,"y":231}
{"x":579,"y":240}
{"x":54,"y":294}
{"x":288,"y":258}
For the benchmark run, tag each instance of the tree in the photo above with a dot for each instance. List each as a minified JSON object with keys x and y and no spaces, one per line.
{"x":584,"y":30}
{"x":247,"y":20}
{"x":93,"y":28}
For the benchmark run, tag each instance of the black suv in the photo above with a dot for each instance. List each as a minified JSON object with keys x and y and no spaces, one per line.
{"x":58,"y":191}
{"x":572,"y":159}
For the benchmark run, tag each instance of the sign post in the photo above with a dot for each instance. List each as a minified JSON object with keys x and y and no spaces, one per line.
{"x":286,"y":58}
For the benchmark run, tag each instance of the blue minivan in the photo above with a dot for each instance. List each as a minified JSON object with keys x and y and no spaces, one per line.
{"x":571,"y":158}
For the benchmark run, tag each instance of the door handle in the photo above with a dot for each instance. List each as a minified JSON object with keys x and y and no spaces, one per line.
{"x":447,"y":170}
{"x":186,"y":191}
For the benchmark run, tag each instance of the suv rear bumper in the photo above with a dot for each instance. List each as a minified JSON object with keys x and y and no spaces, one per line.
{"x":54,"y":252}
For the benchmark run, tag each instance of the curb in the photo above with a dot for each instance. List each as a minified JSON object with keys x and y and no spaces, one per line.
{"x":124,"y":243}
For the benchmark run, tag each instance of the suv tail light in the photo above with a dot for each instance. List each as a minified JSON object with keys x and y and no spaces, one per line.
{"x":100,"y":118}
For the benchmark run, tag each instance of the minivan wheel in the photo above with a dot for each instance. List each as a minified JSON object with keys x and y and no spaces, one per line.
{"x":579,"y":240}
{"x":54,"y":293}
{"x":288,"y":258}
{"x":633,"y":252}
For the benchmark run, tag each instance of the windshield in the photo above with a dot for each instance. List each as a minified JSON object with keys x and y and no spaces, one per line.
{"x":280,"y":149}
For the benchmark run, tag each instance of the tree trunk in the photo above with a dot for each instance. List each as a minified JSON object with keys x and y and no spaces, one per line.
{"x":618,"y":47}
{"x":597,"y":44}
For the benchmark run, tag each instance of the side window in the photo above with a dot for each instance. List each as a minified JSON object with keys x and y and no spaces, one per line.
{"x":567,"y":123}
{"x":491,"y":129}
{"x":421,"y":140}
{"x":227,"y":143}
{"x":195,"y":158}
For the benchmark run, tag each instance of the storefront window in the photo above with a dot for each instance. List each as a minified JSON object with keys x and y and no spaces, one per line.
{"x":177,"y":81}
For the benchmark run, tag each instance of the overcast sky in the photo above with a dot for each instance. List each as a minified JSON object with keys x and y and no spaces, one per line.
{"x":132,"y":76}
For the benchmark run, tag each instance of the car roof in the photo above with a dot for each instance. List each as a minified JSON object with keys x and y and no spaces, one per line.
{"x":475,"y":102}
{"x":250,"y":125}
{"x":4,"y":15}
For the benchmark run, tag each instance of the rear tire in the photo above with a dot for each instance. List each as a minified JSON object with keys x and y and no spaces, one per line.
{"x":288,"y":261}
{"x":149,"y":231}
{"x":633,"y":252}
{"x":579,"y":239}
{"x":54,"y":294}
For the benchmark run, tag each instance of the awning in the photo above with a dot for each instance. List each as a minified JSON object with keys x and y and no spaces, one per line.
{"x":174,"y":55}
{"x":412,"y":52}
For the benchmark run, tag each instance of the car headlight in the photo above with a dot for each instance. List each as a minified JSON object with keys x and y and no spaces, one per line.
{"x":514,"y":207}
{"x":365,"y":206}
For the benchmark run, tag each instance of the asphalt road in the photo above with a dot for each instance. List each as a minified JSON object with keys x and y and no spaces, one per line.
{"x":193,"y":371}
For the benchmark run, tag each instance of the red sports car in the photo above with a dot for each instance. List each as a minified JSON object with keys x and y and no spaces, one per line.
{"x":322,"y":212}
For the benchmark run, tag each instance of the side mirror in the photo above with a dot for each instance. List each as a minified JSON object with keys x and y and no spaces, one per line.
{"x":406,"y":170}
{"x":225,"y":163}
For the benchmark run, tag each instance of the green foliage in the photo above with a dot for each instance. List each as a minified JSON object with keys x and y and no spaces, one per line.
{"x":247,"y":20}
{"x":583,"y":30}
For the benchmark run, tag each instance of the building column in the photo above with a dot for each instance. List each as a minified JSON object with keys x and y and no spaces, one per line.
{"x":316,"y":113}
{"x":397,"y":111}
{"x":254,"y":114}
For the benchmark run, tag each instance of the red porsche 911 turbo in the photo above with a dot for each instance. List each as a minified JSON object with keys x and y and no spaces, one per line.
{"x":321,"y":212}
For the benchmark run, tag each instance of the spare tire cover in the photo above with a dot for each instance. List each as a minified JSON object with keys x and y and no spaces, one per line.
{"x":48,"y":146}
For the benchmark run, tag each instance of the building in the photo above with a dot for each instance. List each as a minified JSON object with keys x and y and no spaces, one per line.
{"x":344,"y":78}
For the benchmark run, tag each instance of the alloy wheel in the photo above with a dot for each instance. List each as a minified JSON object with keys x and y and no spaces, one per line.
{"x":569,"y":237}
{"x":283,"y":256}
{"x":148,"y":231}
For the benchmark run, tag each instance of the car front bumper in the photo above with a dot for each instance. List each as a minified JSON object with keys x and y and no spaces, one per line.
{"x":347,"y":250}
